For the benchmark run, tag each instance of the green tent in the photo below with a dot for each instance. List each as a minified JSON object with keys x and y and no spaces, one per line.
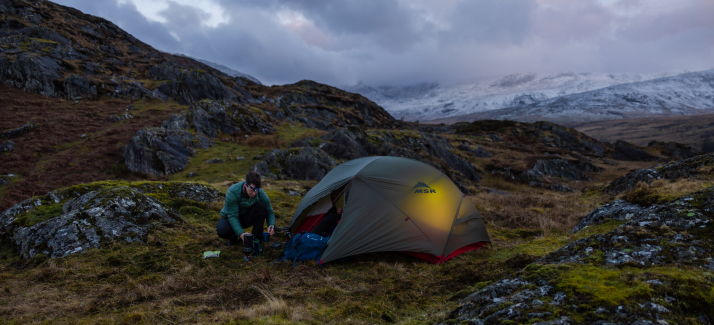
{"x":392,"y":204}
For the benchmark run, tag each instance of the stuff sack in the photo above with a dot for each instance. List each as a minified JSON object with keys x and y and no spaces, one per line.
{"x":305,"y":246}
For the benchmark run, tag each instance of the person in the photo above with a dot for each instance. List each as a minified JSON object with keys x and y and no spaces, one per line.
{"x":246,"y":205}
{"x":328,"y":224}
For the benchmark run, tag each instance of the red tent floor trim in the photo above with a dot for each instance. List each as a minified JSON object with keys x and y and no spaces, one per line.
{"x":442,"y":259}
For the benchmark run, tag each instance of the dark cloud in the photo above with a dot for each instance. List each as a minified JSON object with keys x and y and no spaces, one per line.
{"x":408,"y":41}
{"x":491,"y":21}
{"x":181,"y":16}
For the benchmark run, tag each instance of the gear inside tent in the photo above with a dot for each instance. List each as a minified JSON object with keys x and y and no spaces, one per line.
{"x":392,"y":204}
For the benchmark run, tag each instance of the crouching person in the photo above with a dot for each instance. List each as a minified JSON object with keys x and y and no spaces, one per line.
{"x":246,"y":205}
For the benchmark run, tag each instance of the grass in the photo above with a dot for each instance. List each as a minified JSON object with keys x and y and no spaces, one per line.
{"x":165,"y":280}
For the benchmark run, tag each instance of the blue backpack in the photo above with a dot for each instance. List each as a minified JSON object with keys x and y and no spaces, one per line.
{"x":304,"y":246}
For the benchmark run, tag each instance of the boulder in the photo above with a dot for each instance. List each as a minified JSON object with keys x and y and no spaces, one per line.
{"x":31,"y":72}
{"x":674,"y":150}
{"x":119,"y":118}
{"x":14,"y":133}
{"x":76,"y":87}
{"x":573,"y":170}
{"x":105,"y":215}
{"x":674,"y":170}
{"x":189,"y":86}
{"x":214,"y":161}
{"x":7,"y":146}
{"x":4,"y":180}
{"x":629,"y":152}
{"x":157,"y":151}
{"x":302,"y":143}
{"x":297,"y":163}
{"x":629,"y":181}
{"x":616,"y":210}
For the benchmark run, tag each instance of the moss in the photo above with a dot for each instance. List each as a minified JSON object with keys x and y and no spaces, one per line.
{"x":597,"y":258}
{"x":647,"y":196}
{"x":38,"y":215}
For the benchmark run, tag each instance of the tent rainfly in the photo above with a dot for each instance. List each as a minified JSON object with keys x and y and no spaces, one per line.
{"x":392,"y":204}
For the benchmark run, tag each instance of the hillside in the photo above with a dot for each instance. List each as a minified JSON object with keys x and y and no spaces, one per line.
{"x":685,"y":94}
{"x":96,"y":86}
{"x":690,"y":130}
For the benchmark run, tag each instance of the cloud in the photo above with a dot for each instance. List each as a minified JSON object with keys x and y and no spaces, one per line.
{"x":182,"y":16}
{"x":408,"y":41}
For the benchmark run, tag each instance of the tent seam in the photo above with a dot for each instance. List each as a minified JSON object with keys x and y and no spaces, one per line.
{"x":453,"y":222}
{"x":400,"y":210}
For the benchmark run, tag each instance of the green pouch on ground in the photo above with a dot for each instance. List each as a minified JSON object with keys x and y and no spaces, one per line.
{"x":211,"y":254}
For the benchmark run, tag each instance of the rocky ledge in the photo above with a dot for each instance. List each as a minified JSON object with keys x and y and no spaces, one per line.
{"x":75,"y":219}
{"x":653,"y":269}
{"x":675,"y":170}
{"x":312,"y":158}
{"x":166,"y":150}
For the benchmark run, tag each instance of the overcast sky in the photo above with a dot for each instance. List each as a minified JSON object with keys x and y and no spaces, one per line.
{"x":389,"y":42}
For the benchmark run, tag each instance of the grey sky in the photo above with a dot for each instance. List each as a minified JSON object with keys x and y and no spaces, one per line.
{"x":409,"y":41}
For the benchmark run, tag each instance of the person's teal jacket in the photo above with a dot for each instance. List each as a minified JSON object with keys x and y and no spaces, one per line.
{"x":237,"y":200}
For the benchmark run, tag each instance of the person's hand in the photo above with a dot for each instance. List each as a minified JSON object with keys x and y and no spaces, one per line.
{"x":339,"y":211}
{"x":271,"y":230}
{"x":243,"y":234}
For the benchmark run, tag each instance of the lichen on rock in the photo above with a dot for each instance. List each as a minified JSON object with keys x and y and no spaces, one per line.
{"x":81,"y":217}
{"x":655,"y":267}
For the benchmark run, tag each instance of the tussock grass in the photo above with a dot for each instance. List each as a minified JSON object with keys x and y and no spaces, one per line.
{"x":265,"y":141}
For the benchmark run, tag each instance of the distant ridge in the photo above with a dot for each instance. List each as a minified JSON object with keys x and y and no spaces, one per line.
{"x":684,"y":94}
{"x":224,"y":69}
{"x":428,"y":101}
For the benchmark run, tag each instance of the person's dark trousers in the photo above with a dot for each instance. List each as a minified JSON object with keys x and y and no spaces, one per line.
{"x":327,"y":224}
{"x":255,"y":216}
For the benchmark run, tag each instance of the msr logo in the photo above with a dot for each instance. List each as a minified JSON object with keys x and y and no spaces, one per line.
{"x":422,"y":188}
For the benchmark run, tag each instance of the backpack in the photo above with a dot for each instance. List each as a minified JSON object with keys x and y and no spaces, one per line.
{"x":304,"y":246}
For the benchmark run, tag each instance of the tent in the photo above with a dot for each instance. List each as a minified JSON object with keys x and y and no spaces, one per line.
{"x":392,"y":204}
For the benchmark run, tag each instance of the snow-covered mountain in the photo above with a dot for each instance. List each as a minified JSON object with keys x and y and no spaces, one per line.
{"x":428,"y":101}
{"x":685,"y":94}
{"x":224,"y":69}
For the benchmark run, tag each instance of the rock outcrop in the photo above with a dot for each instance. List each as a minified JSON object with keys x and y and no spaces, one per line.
{"x":627,"y":151}
{"x":7,"y":146}
{"x":353,"y":142}
{"x":327,"y":108}
{"x":544,"y":169}
{"x":297,"y":163}
{"x":675,"y":170}
{"x":674,"y":150}
{"x":188,"y":86}
{"x":166,"y":150}
{"x":577,"y":284}
{"x":538,"y":134}
{"x":82,"y":217}
{"x":14,"y":133}
{"x":617,"y":210}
